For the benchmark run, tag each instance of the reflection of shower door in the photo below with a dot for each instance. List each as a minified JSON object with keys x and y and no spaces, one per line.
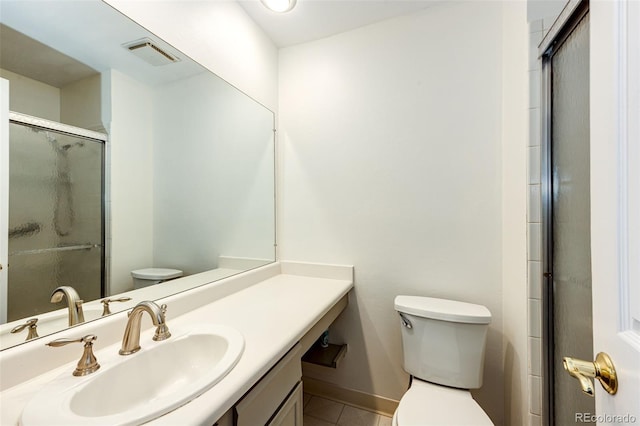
{"x":56,"y":214}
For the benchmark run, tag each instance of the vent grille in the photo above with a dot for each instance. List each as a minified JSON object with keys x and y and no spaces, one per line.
{"x":148,"y":51}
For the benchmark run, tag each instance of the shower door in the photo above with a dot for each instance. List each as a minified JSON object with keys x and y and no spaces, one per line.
{"x":56,"y":214}
{"x":568,"y":300}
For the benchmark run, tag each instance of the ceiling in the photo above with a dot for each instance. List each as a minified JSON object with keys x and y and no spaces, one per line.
{"x":315,"y":19}
{"x":69,"y":40}
{"x":309,"y":20}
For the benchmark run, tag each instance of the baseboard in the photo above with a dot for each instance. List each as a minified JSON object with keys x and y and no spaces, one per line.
{"x":366,"y":401}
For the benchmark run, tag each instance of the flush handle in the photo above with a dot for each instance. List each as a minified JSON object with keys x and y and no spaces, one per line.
{"x":602,"y":369}
{"x":405,"y":321}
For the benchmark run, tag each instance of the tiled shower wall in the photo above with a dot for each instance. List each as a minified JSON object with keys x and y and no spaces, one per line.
{"x":534,"y":222}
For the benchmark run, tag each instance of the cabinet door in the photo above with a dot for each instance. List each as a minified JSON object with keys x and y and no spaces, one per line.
{"x":260,"y":403}
{"x":226,"y":420}
{"x":290,"y":413}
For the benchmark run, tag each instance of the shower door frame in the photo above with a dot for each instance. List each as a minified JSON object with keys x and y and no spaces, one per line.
{"x":567,"y":21}
{"x":43,"y":124}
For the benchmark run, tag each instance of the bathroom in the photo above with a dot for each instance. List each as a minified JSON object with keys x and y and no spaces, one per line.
{"x":405,"y":148}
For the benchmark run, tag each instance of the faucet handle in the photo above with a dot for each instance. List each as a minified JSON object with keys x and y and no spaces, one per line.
{"x":89,"y":338}
{"x":88,"y":363}
{"x":31,"y":326}
{"x":105,"y":304}
{"x":162,"y":330}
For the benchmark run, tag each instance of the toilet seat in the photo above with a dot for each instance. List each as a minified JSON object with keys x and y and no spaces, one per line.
{"x":156,"y":273}
{"x":430,"y":404}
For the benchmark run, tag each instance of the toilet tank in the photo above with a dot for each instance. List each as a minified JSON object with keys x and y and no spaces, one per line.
{"x":443,"y":340}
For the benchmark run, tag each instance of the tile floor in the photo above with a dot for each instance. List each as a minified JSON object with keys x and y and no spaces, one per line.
{"x":323,"y":412}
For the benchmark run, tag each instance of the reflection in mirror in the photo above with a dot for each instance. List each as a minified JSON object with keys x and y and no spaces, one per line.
{"x":125,"y":157}
{"x":56,"y":213}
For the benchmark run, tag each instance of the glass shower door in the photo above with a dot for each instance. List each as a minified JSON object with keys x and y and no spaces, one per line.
{"x":570,"y":220}
{"x":56,"y":218}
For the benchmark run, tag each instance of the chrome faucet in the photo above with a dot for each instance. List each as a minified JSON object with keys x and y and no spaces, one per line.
{"x":74,"y":303}
{"x":131,"y":338}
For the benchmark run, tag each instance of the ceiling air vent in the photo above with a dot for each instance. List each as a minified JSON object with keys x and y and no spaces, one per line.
{"x":145,"y":49}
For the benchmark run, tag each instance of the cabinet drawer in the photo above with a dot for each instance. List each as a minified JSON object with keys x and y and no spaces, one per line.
{"x":259,"y":404}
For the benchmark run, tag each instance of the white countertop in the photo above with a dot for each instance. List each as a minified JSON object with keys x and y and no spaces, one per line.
{"x":272,"y":315}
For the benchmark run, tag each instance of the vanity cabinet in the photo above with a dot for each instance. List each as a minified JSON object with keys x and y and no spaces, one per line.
{"x":276,"y":400}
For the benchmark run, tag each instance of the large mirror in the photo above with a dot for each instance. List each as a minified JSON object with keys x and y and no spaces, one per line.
{"x":134,"y":172}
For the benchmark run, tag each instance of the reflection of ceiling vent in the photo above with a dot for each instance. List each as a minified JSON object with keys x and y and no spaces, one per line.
{"x":145,"y":49}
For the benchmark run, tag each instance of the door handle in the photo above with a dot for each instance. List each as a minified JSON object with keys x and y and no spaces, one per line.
{"x":602,"y":369}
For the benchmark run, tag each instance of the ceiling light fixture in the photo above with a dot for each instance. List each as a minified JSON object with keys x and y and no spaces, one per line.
{"x":280,"y":6}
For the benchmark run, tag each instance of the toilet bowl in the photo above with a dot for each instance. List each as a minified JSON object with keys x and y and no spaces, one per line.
{"x":151,"y":276}
{"x":443,"y":344}
{"x":430,"y":404}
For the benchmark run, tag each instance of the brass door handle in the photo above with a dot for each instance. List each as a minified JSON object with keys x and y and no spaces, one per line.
{"x":602,"y":369}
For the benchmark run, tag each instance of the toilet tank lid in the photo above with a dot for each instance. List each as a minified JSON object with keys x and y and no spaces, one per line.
{"x":443,"y":309}
{"x":156,"y":273}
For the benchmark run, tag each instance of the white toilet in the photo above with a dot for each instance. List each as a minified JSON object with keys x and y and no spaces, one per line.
{"x":151,"y":276}
{"x":444,"y":344}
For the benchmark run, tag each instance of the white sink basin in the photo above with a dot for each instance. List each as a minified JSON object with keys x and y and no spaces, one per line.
{"x":133,"y":389}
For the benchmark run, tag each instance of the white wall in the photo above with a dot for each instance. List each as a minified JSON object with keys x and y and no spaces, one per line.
{"x":391,"y":141}
{"x":217,"y":34}
{"x":80,"y":103}
{"x":515,"y":114}
{"x":131,"y":176}
{"x":213,"y":175}
{"x":32,"y":97}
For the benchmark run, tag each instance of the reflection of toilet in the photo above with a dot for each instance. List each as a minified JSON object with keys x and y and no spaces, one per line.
{"x":444,"y":344}
{"x":150,"y":276}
